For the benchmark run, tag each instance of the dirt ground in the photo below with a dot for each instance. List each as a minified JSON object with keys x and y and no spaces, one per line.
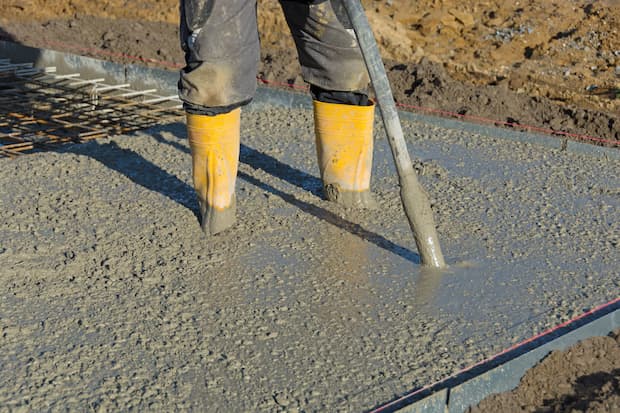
{"x":553,"y":65}
{"x":582,"y":378}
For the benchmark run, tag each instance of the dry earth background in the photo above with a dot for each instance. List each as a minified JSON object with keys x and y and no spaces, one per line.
{"x":551,"y":64}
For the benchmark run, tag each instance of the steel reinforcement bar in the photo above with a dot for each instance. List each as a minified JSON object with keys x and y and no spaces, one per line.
{"x":39,"y":108}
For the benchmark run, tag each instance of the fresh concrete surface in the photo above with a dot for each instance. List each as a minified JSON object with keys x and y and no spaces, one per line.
{"x":112,"y":297}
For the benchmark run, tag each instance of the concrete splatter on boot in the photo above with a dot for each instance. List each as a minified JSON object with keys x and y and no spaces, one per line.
{"x":214,"y":142}
{"x":344,"y":144}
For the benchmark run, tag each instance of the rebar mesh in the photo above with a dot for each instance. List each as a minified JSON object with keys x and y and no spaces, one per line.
{"x":39,"y":108}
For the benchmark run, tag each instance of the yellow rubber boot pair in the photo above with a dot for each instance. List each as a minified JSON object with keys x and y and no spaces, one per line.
{"x":214,"y":142}
{"x":344,"y":144}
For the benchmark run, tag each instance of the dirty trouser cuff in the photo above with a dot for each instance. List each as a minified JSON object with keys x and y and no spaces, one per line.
{"x":340,"y":97}
{"x":212,"y":110}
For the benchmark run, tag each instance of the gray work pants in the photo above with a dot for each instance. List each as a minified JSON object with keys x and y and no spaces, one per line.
{"x":220,"y":40}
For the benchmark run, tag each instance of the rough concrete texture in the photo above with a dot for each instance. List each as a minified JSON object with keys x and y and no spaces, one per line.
{"x":112,"y":298}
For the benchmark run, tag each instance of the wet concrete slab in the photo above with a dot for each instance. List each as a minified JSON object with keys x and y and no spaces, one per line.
{"x":110,"y":287}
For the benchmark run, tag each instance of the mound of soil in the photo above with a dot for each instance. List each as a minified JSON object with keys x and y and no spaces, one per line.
{"x":583,"y":378}
{"x":548,"y":65}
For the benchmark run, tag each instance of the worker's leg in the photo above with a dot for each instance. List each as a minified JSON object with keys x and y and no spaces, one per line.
{"x":333,"y":66}
{"x":328,"y":51}
{"x":214,"y":142}
{"x":220,"y":41}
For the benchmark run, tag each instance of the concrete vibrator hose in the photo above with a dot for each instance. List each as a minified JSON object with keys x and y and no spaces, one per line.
{"x":414,"y":198}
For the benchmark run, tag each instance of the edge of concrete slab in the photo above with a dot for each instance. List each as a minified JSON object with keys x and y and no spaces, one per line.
{"x":504,"y":371}
{"x":165,"y":81}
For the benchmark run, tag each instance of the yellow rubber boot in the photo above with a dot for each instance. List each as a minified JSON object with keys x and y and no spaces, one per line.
{"x":344,"y":145}
{"x":214,"y":142}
